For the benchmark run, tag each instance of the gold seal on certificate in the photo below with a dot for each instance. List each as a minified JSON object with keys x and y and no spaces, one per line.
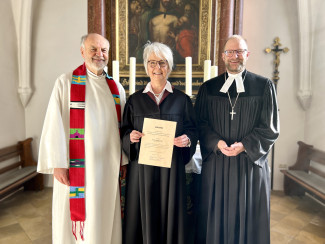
{"x":157,"y":143}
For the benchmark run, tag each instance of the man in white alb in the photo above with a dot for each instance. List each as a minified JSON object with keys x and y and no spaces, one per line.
{"x":98,"y":220}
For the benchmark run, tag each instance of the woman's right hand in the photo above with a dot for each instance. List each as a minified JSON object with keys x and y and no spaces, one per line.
{"x":135,"y":136}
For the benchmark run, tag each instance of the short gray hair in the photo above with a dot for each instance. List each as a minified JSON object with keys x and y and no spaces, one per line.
{"x":236,"y":37}
{"x":82,"y":41}
{"x":84,"y":38}
{"x":160,"y":50}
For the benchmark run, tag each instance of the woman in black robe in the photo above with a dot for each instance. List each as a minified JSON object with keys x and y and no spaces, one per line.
{"x":155,"y":201}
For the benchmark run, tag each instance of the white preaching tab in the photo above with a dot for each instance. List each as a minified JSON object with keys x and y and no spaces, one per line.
{"x":157,"y":143}
{"x":239,"y":83}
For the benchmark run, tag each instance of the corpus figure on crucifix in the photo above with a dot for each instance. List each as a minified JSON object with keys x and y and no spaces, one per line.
{"x":238,"y":123}
{"x":277,"y":51}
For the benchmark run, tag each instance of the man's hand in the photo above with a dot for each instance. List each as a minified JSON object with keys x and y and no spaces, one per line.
{"x":62,"y":175}
{"x":238,"y":147}
{"x":231,"y":151}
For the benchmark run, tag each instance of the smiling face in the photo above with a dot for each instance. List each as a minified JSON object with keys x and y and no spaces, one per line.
{"x":236,"y":63}
{"x":158,"y":75}
{"x":95,"y":53}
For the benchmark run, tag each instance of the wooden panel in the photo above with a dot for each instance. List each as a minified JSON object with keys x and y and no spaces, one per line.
{"x":24,"y":150}
{"x":303,"y":157}
{"x":26,"y":156}
{"x":9,"y":167}
{"x":9,"y":155}
{"x":238,"y":24}
{"x":306,"y":186}
{"x":215,"y":25}
{"x":35,"y":184}
{"x":10,"y":152}
{"x":101,"y":20}
{"x":317,"y":171}
{"x":292,"y":188}
{"x":96,"y":17}
{"x":226,"y":29}
{"x":318,"y":156}
{"x":110,"y":28}
{"x":17,"y":184}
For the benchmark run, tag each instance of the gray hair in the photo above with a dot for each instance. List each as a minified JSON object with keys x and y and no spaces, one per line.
{"x":236,"y":37}
{"x":84,"y":38}
{"x":82,"y":41}
{"x":161,"y":51}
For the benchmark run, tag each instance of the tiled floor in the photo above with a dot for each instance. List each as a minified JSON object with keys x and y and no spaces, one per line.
{"x":296,"y":220}
{"x":25,"y":217}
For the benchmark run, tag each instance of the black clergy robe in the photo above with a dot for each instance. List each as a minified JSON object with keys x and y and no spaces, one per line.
{"x":155,"y":201}
{"x":234,"y":204}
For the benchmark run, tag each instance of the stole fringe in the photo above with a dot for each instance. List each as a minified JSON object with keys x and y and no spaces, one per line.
{"x":74,"y":229}
{"x":82,"y":225}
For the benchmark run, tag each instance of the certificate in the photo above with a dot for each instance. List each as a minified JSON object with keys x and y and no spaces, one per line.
{"x":157,"y":143}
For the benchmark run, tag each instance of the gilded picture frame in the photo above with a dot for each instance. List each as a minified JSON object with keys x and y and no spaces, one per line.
{"x":123,"y":14}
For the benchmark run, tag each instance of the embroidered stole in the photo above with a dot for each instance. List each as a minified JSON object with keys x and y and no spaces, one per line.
{"x":77,"y":143}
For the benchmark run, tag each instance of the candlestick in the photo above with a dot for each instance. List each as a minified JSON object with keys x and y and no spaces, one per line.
{"x":116,"y":71}
{"x":207,"y":70}
{"x":214,"y":71}
{"x":132,"y":75}
{"x":188,"y":79}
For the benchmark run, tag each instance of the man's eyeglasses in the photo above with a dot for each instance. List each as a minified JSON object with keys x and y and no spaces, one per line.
{"x":153,"y":63}
{"x":239,"y":52}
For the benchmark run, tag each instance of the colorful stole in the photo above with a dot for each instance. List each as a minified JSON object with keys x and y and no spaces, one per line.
{"x":77,"y":143}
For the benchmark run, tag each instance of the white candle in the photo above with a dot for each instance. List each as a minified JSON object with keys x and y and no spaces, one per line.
{"x":188,"y":79}
{"x":207,"y":70}
{"x":214,"y":71}
{"x":132,"y":75}
{"x":116,"y":71}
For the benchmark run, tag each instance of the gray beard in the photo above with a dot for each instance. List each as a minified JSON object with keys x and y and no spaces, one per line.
{"x":240,"y":68}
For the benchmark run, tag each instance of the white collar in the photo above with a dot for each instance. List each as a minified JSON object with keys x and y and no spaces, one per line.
{"x":167,"y":87}
{"x":239,"y":82}
{"x":94,"y":76}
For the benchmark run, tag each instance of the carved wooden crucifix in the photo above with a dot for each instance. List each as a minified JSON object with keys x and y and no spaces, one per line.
{"x":277,"y":51}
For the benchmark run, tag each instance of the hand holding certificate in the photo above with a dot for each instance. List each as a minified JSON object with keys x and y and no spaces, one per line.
{"x":157,"y":143}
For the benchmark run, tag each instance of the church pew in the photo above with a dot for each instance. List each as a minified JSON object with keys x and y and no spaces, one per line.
{"x":307,"y":174}
{"x":21,"y":173}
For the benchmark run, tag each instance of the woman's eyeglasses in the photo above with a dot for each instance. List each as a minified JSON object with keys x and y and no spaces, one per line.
{"x":153,"y":63}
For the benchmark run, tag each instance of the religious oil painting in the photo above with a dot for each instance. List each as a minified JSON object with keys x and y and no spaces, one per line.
{"x":183,"y":25}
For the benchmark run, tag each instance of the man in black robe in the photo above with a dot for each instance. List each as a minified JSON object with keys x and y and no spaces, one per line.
{"x":238,"y":123}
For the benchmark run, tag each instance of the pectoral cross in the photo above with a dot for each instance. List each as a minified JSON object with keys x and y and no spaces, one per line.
{"x":277,"y":51}
{"x":232,"y":113}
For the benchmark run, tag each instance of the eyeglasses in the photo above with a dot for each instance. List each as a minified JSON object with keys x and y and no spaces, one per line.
{"x":162,"y":63}
{"x":239,"y":52}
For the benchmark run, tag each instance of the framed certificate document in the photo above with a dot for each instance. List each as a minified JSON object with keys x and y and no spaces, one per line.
{"x":157,"y":143}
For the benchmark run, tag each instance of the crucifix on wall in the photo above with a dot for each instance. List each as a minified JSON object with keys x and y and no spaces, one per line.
{"x":277,"y":51}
